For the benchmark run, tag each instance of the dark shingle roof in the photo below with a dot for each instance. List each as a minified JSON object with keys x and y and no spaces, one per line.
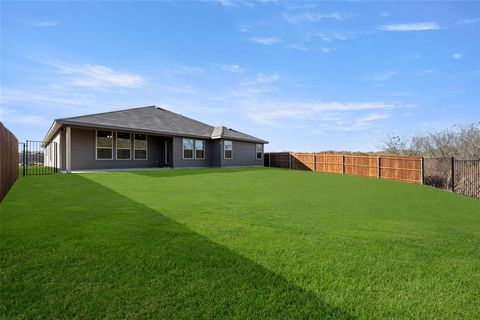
{"x":156,"y":120}
{"x":227,"y":133}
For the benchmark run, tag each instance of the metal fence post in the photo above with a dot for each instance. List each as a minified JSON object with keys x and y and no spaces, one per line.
{"x":453,"y":173}
{"x":343,"y":164}
{"x":24,"y":172}
{"x":314,"y":162}
{"x":26,"y":157}
{"x":289,"y":160}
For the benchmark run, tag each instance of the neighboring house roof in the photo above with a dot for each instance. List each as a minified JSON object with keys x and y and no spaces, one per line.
{"x":153,"y":119}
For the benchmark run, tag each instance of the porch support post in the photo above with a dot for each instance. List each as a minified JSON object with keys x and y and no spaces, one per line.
{"x":68,"y":150}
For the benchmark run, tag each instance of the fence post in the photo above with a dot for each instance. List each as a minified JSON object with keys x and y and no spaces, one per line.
{"x":289,"y":160}
{"x":453,"y":173}
{"x":26,"y":157}
{"x":343,"y":164}
{"x":422,"y":168}
{"x":378,"y":167}
{"x":269,"y":160}
{"x":24,"y":172}
{"x":314,"y":162}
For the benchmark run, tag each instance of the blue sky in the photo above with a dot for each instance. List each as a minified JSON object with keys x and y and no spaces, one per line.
{"x":306,"y":76}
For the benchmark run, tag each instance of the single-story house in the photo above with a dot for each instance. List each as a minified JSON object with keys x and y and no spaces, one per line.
{"x":146,"y":137}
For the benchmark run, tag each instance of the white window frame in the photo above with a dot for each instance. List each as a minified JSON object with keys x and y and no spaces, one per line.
{"x":96,"y":145}
{"x":195,"y":149}
{"x":117,"y":148}
{"x":135,"y":147}
{"x":225,"y":158}
{"x":256,"y":152}
{"x":183,"y":149}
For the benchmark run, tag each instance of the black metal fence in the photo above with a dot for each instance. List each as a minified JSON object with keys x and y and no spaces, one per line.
{"x":460,"y":176}
{"x":35,"y":158}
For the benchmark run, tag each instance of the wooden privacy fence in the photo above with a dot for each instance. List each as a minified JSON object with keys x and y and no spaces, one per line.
{"x":8,"y":160}
{"x":408,"y":169}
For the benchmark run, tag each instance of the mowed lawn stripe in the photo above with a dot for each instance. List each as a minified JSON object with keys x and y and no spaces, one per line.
{"x":237,"y":243}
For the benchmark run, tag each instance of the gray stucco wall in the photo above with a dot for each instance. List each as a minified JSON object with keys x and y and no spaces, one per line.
{"x":83,"y":153}
{"x":244,"y":154}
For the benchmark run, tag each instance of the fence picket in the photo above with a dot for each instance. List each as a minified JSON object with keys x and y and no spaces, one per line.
{"x":461,"y":176}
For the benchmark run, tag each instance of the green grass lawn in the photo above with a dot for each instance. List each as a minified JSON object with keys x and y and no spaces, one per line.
{"x":237,"y":243}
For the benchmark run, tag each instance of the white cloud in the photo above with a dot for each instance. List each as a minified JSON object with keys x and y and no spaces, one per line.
{"x":423,"y":73}
{"x":378,"y":77}
{"x":98,"y":76}
{"x":266,"y":40}
{"x":421,"y":26}
{"x":43,"y":97}
{"x":270,"y":112}
{"x":14,"y":117}
{"x":307,"y":47}
{"x":266,"y":78}
{"x":457,"y":56}
{"x":226,"y":3}
{"x":469,"y":21}
{"x":330,"y":36}
{"x":468,"y":74}
{"x":45,"y":23}
{"x":373,"y":117}
{"x":313,"y":17}
{"x":235,"y":68}
{"x":385,"y":14}
{"x":244,"y":28}
{"x":188,"y":70}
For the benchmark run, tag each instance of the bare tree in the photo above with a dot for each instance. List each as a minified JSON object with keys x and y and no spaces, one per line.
{"x":462,"y":142}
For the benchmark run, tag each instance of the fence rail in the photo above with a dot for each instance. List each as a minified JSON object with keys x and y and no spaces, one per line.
{"x":38,"y":159}
{"x":8,"y":160}
{"x":383,"y":167}
{"x":461,"y":176}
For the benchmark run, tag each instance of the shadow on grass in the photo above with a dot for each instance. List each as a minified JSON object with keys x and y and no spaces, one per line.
{"x":178,"y":172}
{"x":97,"y":254}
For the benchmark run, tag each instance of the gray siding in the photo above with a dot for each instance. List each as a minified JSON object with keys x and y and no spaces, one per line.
{"x":83,"y":153}
{"x":63,"y":140}
{"x":178,"y":160}
{"x":216,"y":158}
{"x":243,"y":155}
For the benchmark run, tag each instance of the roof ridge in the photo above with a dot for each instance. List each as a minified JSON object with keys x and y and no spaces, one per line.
{"x":99,"y":113}
{"x":181,"y":115}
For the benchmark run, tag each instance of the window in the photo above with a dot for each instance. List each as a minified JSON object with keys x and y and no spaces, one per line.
{"x":140,"y":147}
{"x":199,"y":149}
{"x":259,"y":151}
{"x":124,"y":146}
{"x":187,"y":148}
{"x":227,"y":149}
{"x":104,"y":145}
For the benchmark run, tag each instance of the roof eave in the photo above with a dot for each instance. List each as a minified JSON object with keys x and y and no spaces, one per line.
{"x":51,"y":132}
{"x":93,"y":125}
{"x":240,"y":139}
